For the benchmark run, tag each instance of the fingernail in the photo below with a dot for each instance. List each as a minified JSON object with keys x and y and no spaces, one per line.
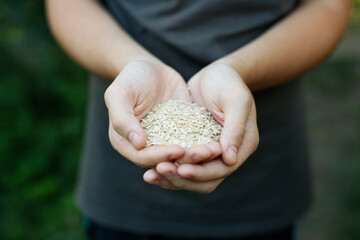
{"x":233,"y":155}
{"x":233,"y":151}
{"x":132,"y":137}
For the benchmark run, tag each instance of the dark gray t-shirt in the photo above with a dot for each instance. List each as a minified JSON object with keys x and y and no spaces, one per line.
{"x":269,"y":191}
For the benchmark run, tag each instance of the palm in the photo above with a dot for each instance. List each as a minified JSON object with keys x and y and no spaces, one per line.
{"x":225,"y":95}
{"x":151,"y":84}
{"x":222,"y":91}
{"x":139,"y":87}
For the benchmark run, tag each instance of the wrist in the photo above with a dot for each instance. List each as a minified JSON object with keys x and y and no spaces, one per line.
{"x":240,"y":66}
{"x":123,"y":59}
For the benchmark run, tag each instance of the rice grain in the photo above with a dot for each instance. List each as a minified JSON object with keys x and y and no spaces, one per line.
{"x":180,"y":122}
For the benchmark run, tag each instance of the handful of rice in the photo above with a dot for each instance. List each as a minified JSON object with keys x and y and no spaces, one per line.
{"x":180,"y":122}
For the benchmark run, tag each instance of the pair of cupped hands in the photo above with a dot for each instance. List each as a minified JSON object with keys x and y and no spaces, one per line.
{"x":145,"y":83}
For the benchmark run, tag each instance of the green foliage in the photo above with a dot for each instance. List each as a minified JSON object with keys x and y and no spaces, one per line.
{"x":356,"y":13}
{"x":334,"y":123}
{"x":43,"y":96}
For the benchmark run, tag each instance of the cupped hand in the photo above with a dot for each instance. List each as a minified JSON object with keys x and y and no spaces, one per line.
{"x":226,"y":96}
{"x":141,"y":85}
{"x":223,"y":92}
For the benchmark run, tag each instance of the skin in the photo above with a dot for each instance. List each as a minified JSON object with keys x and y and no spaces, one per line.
{"x":217,"y":87}
{"x":142,"y":84}
{"x":291,"y":47}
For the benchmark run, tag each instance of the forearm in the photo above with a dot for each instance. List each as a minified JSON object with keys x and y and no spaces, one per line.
{"x":91,"y":37}
{"x":294,"y":45}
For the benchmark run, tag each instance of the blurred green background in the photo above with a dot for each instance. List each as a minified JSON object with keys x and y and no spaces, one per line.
{"x":43,"y":98}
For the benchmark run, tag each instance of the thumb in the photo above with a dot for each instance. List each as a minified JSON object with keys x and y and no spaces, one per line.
{"x":122,"y":118}
{"x":236,"y":114}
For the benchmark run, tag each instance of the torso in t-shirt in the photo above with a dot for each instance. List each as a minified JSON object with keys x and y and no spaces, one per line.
{"x":269,"y":191}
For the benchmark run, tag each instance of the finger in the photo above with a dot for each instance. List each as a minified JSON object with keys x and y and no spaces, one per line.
{"x":195,"y":154}
{"x":209,"y":171}
{"x":236,"y":116}
{"x":167,"y":170}
{"x":120,"y":104}
{"x":194,"y":89}
{"x":147,"y":157}
{"x":166,"y":184}
{"x":153,"y":177}
{"x":179,"y":90}
{"x":216,"y":169}
{"x":251,"y":138}
{"x":182,"y":95}
{"x":201,"y":153}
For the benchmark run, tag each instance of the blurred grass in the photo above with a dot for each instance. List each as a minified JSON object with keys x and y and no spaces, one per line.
{"x":43,"y":100}
{"x":333,"y":93}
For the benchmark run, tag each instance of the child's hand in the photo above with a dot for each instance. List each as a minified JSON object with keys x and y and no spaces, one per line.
{"x":223,"y":92}
{"x":141,"y":85}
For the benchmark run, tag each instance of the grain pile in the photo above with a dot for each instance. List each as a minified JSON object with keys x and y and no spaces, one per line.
{"x":179,"y":122}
